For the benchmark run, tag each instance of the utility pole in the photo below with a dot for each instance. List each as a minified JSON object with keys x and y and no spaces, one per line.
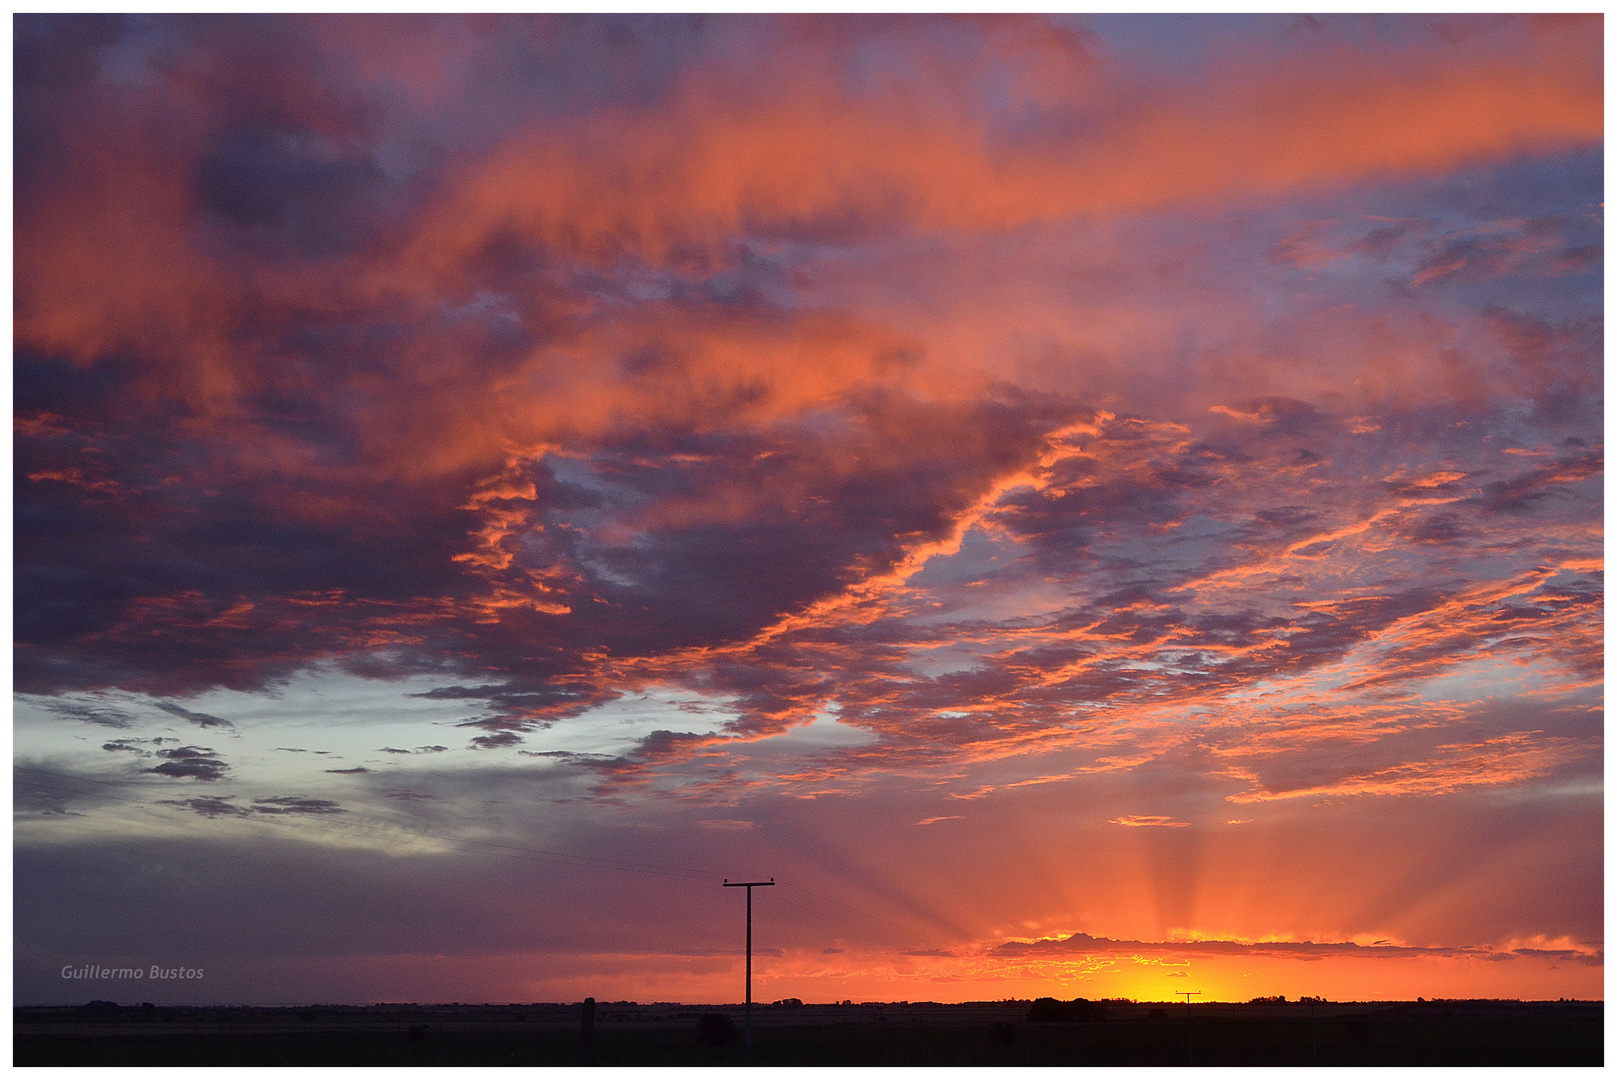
{"x":749,"y":886}
{"x":1190,"y":1044}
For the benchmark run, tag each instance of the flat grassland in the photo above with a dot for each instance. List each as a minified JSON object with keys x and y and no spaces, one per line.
{"x":1463,"y":1033}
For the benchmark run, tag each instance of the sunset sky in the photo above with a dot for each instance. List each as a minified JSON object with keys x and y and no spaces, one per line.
{"x":1094,"y":507}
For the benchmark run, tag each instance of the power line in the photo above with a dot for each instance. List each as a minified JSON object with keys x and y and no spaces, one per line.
{"x":830,"y":916}
{"x":866,"y":917}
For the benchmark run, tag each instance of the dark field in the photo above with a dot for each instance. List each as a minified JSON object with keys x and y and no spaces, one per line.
{"x":986,"y":1033}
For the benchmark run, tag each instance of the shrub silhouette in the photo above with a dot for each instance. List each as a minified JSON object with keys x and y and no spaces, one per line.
{"x":1047,"y":1010}
{"x":715,"y":1029}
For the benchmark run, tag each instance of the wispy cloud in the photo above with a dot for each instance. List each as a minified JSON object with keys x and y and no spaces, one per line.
{"x":1085,"y":944}
{"x":1147,"y":821}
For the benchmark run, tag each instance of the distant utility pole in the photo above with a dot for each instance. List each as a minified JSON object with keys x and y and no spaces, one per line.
{"x":1190,"y":1045}
{"x":749,"y":886}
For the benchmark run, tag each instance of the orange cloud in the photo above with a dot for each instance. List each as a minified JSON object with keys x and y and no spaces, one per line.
{"x":116,"y":256}
{"x":720,"y":161}
{"x":1506,"y":759}
{"x":1148,"y":821}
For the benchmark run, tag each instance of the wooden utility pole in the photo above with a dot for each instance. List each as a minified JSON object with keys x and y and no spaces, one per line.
{"x":1190,"y":1042}
{"x":749,"y":886}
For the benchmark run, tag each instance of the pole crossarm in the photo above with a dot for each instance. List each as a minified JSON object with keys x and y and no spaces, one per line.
{"x":728,"y":884}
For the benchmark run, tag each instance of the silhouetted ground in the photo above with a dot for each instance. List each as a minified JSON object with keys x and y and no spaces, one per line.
{"x":987,"y":1033}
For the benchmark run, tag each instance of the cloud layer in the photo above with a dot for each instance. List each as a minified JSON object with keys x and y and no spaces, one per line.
{"x":947,"y":415}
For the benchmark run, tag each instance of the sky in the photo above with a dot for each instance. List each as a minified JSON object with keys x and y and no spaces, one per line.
{"x":1094,"y":507}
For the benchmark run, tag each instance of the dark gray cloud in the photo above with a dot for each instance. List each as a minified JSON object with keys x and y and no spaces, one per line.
{"x":132,"y":746}
{"x":105,"y":715}
{"x":191,"y":762}
{"x":209,"y":806}
{"x":295,"y":804}
{"x":496,"y":741}
{"x":197,"y":718}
